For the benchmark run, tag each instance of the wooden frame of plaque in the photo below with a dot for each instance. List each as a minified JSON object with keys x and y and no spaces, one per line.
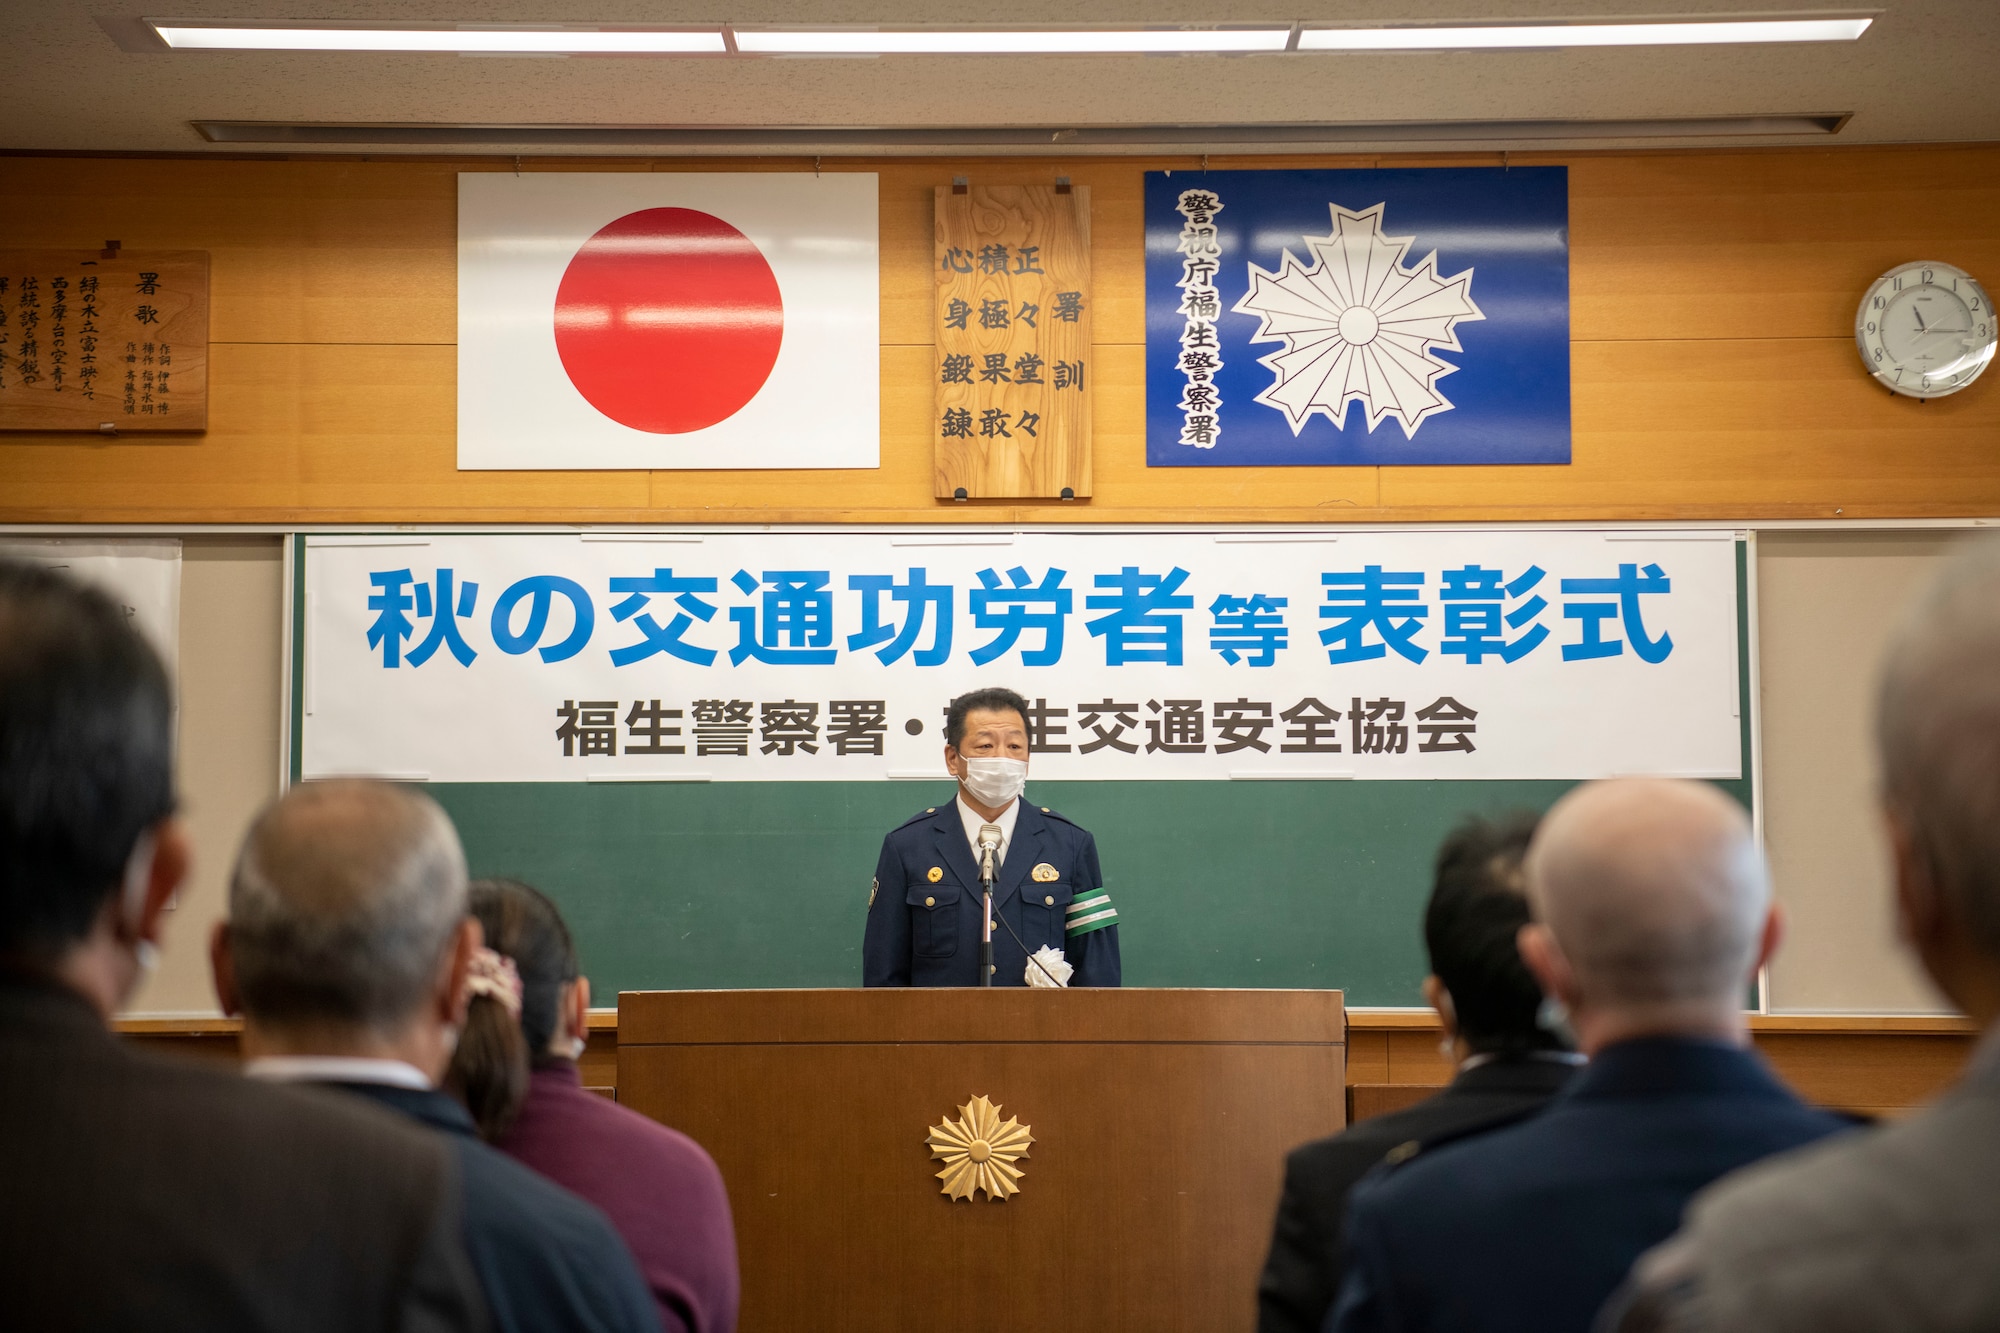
{"x":104,"y":341}
{"x":1012,"y":313}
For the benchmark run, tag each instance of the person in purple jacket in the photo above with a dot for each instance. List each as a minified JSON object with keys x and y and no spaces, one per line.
{"x":515,"y":1068}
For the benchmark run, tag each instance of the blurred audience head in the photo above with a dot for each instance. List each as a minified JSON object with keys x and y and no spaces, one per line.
{"x":1653,"y":910}
{"x":347,"y":928}
{"x":543,"y":1020}
{"x":1938,"y":733}
{"x":89,"y":852}
{"x":1487,"y":998}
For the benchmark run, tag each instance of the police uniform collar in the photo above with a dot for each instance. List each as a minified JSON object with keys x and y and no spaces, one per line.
{"x":1670,"y":1066}
{"x":1524,"y":1072}
{"x":1480,"y":1059}
{"x":1027,"y":848}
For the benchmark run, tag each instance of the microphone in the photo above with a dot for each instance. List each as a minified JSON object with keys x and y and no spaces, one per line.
{"x":989,"y":847}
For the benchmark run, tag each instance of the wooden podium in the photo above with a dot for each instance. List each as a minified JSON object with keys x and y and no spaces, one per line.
{"x":1160,"y":1122}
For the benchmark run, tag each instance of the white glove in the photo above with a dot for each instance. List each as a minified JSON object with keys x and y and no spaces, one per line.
{"x":1048,"y":963}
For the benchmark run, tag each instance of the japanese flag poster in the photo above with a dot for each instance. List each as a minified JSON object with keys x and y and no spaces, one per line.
{"x":1413,"y":315}
{"x":668,"y":320}
{"x":761,"y":656}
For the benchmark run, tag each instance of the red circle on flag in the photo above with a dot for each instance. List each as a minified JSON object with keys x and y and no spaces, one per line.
{"x":669,"y":320}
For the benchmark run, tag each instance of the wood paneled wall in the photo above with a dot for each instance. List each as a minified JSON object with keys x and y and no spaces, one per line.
{"x":219,"y":1041}
{"x":1712,"y":304}
{"x":1881,"y":1066}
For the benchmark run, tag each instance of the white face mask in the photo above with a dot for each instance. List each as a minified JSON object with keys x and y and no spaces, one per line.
{"x":994,"y":782}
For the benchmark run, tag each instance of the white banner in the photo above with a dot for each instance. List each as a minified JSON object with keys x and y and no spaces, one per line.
{"x":830,"y":656}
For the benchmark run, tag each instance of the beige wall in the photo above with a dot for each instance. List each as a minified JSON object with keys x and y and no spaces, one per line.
{"x":1827,"y":603}
{"x":232,"y":598}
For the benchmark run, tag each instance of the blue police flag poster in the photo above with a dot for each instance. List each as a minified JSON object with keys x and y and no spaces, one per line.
{"x":1410,"y":315}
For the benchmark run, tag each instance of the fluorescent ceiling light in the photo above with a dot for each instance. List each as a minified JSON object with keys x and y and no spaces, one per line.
{"x":1105,"y":139}
{"x":449,"y":40}
{"x":941,"y":41}
{"x":1582,"y":34}
{"x":187,"y":36}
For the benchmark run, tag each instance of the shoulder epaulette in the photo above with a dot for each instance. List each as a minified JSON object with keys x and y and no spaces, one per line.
{"x":1402,"y":1152}
{"x":918,"y":817}
{"x":1414,"y":1148}
{"x":1058,"y":816}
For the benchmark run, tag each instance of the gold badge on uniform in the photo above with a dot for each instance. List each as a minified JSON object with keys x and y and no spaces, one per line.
{"x":1045,"y":873}
{"x":936,"y":874}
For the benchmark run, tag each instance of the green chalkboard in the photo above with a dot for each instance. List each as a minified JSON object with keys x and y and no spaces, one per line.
{"x":726,"y":885}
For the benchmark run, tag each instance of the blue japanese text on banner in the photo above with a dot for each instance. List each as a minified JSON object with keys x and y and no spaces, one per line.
{"x":830,"y":656}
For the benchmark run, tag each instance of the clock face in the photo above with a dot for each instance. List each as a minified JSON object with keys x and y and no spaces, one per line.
{"x":1925,"y":329}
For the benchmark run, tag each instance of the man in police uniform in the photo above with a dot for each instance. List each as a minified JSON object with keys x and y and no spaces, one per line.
{"x":924,"y":907}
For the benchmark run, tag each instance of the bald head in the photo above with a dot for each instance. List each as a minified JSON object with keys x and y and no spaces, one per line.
{"x":345,"y":898}
{"x":1654,"y":891}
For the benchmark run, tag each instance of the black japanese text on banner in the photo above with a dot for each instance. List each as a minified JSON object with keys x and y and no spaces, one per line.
{"x":830,"y":656}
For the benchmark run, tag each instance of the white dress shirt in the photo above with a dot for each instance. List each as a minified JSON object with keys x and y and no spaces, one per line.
{"x":974,"y":821}
{"x":337,"y":1069}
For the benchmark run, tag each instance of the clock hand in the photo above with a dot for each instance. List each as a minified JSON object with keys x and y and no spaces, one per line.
{"x":1920,"y":319}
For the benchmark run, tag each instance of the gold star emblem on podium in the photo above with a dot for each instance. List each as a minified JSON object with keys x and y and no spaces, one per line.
{"x":979,"y":1151}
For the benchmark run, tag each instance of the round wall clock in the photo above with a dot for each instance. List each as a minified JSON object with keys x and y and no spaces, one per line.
{"x":1925,"y":329}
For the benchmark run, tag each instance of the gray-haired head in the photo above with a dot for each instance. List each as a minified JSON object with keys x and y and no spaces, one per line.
{"x":341,"y":906}
{"x":1937,"y":728}
{"x":1655,"y":891}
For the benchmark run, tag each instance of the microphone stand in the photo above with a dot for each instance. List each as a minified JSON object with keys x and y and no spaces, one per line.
{"x":986,"y":969}
{"x":1002,"y":919}
{"x":986,"y":920}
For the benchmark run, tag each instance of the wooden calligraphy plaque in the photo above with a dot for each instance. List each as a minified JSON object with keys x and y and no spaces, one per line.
{"x":1012,"y":370}
{"x":88,"y":343}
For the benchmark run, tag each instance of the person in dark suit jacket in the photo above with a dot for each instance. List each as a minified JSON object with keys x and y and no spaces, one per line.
{"x":925,"y":905}
{"x":347,"y":951}
{"x":1652,"y":915}
{"x":1508,"y":1065}
{"x":137,"y":1192}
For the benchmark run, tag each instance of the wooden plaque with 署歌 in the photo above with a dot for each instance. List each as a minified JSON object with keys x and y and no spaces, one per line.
{"x":1012,"y":322}
{"x":95,"y":343}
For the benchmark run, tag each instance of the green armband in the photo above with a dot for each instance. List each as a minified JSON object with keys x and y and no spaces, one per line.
{"x":1091,"y":912}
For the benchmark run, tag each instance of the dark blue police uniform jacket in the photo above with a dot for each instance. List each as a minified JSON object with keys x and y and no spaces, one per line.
{"x":1531,"y":1228}
{"x":924,"y":916}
